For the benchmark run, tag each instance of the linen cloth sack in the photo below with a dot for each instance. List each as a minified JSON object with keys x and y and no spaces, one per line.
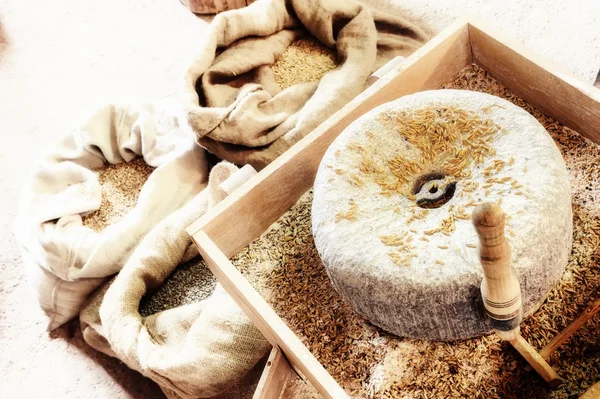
{"x":193,"y":351}
{"x":235,"y":107}
{"x":64,"y":260}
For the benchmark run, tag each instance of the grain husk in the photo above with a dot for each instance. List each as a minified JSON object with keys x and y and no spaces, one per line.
{"x":305,"y":60}
{"x":121,"y":185}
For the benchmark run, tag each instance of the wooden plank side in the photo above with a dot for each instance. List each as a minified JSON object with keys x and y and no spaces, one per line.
{"x":538,"y":80}
{"x":246,"y":214}
{"x":266,"y":320}
{"x":274,"y":377}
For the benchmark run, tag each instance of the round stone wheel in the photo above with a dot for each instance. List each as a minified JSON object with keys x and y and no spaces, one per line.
{"x":407,"y":260}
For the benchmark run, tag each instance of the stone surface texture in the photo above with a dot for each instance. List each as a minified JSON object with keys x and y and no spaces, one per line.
{"x":430,"y":299}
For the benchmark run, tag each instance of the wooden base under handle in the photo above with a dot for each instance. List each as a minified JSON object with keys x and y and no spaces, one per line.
{"x":536,"y":361}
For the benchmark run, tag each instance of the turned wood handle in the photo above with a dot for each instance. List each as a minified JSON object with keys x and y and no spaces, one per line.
{"x":500,"y":288}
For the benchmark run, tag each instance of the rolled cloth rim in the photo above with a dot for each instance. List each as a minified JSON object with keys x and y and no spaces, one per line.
{"x":254,"y":121}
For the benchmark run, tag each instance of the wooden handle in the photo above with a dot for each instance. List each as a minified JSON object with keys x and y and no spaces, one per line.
{"x":500,"y":288}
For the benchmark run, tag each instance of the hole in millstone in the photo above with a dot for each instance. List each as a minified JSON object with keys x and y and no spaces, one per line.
{"x":444,"y":196}
{"x":424,"y":179}
{"x":431,"y":190}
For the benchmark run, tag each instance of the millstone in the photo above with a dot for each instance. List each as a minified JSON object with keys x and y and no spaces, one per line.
{"x":407,"y":259}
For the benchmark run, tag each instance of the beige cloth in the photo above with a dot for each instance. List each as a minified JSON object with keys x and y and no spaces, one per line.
{"x":65,"y":260}
{"x":234,"y":105}
{"x":193,"y":351}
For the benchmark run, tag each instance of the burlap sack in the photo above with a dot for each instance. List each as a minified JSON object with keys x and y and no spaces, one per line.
{"x":65,"y":261}
{"x":193,"y":351}
{"x":234,"y":105}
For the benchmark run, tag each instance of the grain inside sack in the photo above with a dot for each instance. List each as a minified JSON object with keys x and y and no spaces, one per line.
{"x":121,"y":185}
{"x":285,"y":268}
{"x":191,"y":282}
{"x":305,"y":60}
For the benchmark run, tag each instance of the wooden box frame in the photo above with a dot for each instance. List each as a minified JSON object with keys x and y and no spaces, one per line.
{"x":251,"y":209}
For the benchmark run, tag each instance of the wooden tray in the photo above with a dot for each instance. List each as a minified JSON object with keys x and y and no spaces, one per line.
{"x":250,"y":210}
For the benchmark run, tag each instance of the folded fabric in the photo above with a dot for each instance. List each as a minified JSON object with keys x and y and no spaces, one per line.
{"x":65,"y":260}
{"x":193,"y":351}
{"x":234,"y":105}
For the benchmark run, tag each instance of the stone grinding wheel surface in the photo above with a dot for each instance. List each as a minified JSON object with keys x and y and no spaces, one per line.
{"x":436,"y":294}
